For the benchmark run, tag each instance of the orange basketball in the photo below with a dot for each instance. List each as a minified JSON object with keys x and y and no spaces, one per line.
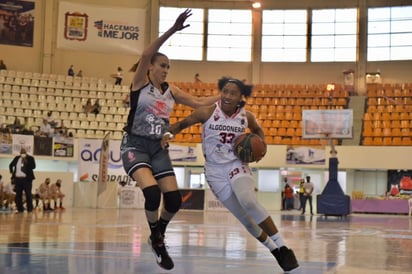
{"x":249,"y":147}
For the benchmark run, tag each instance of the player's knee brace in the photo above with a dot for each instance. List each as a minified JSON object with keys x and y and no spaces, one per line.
{"x":172,"y":200}
{"x":152,"y":198}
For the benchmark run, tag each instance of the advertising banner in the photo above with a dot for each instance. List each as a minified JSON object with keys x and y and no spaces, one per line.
{"x":16,"y":22}
{"x":100,"y":29}
{"x":63,"y":147}
{"x":89,"y":161}
{"x":43,"y":146}
{"x":305,"y":156}
{"x":193,"y":199}
{"x":23,"y":141}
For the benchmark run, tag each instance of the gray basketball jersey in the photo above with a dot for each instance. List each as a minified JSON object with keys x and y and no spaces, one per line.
{"x":150,"y":112}
{"x":219,"y":133}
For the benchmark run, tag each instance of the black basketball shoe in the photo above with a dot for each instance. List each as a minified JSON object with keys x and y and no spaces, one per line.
{"x":286,"y":258}
{"x":162,"y":257}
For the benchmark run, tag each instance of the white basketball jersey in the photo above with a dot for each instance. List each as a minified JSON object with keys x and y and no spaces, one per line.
{"x":219,"y":133}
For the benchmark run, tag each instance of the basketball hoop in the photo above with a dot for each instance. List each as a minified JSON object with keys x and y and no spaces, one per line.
{"x":327,"y":139}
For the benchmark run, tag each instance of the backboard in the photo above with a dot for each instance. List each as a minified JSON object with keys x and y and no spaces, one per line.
{"x":328,"y":123}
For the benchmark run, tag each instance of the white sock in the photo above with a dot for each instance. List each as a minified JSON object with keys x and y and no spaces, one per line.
{"x":278,"y":240}
{"x":269,"y":244}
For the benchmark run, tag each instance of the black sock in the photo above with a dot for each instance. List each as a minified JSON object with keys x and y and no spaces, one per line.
{"x":162,"y":225}
{"x":155,"y":232}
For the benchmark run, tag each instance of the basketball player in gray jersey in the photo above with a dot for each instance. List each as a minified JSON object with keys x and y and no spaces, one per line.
{"x":151,"y":103}
{"x":231,"y":180}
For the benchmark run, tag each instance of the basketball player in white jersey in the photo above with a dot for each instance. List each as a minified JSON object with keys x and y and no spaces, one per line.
{"x":230,"y":179}
{"x":151,"y":103}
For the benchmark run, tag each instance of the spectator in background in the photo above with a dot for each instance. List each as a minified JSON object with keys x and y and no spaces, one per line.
{"x":70,"y":71}
{"x":36,"y":197}
{"x":26,"y":129}
{"x":2,"y":195}
{"x":87,"y":108}
{"x":45,"y":129}
{"x":17,"y":126}
{"x":288,"y":193}
{"x":285,"y":183}
{"x":46,"y":195}
{"x":197,"y":79}
{"x":57,"y":194}
{"x":308,"y":187}
{"x":118,"y":76}
{"x":50,"y":119}
{"x":21,"y":168}
{"x":7,"y":195}
{"x":301,"y":194}
{"x":96,"y":107}
{"x":126,"y":101}
{"x":80,"y":74}
{"x":2,"y":65}
{"x":62,"y":130}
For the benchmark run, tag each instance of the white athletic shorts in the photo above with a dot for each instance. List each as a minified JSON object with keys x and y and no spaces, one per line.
{"x":220,"y":177}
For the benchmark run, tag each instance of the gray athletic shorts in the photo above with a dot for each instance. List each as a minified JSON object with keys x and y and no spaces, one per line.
{"x":138,"y":152}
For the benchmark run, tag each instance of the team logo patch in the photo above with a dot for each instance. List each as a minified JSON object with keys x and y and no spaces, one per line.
{"x":130,"y":156}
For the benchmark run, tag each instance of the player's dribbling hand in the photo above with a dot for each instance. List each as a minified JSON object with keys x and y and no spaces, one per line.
{"x":164,"y":142}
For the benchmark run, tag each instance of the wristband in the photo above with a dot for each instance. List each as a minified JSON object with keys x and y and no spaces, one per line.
{"x":169,"y":134}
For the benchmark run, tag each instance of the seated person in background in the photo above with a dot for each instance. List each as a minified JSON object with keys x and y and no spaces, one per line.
{"x":61,"y":130}
{"x":126,"y":101}
{"x":87,"y":108}
{"x":2,"y":65}
{"x":50,"y":119}
{"x":17,"y":125}
{"x":96,"y":107}
{"x":36,"y":197}
{"x":45,"y":195}
{"x":45,"y":129}
{"x":197,"y":79}
{"x":26,"y":129}
{"x":2,"y":193}
{"x":7,"y":195}
{"x":57,"y":194}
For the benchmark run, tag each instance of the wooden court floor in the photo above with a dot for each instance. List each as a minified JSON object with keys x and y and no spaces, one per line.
{"x":114,"y":241}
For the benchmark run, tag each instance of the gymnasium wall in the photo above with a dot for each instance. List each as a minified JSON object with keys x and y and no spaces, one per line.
{"x":45,"y":57}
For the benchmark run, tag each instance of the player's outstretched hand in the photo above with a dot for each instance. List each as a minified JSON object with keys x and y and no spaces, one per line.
{"x":179,"y":24}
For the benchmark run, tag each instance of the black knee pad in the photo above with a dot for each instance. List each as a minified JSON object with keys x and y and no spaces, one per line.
{"x":152,"y":198}
{"x":172,"y":201}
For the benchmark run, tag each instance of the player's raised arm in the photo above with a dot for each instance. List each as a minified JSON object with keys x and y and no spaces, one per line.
{"x":142,"y":66}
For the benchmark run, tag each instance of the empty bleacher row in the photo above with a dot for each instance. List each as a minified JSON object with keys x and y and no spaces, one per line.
{"x":277,"y":107}
{"x":387,"y":119}
{"x":388,"y":116}
{"x":32,"y":95}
